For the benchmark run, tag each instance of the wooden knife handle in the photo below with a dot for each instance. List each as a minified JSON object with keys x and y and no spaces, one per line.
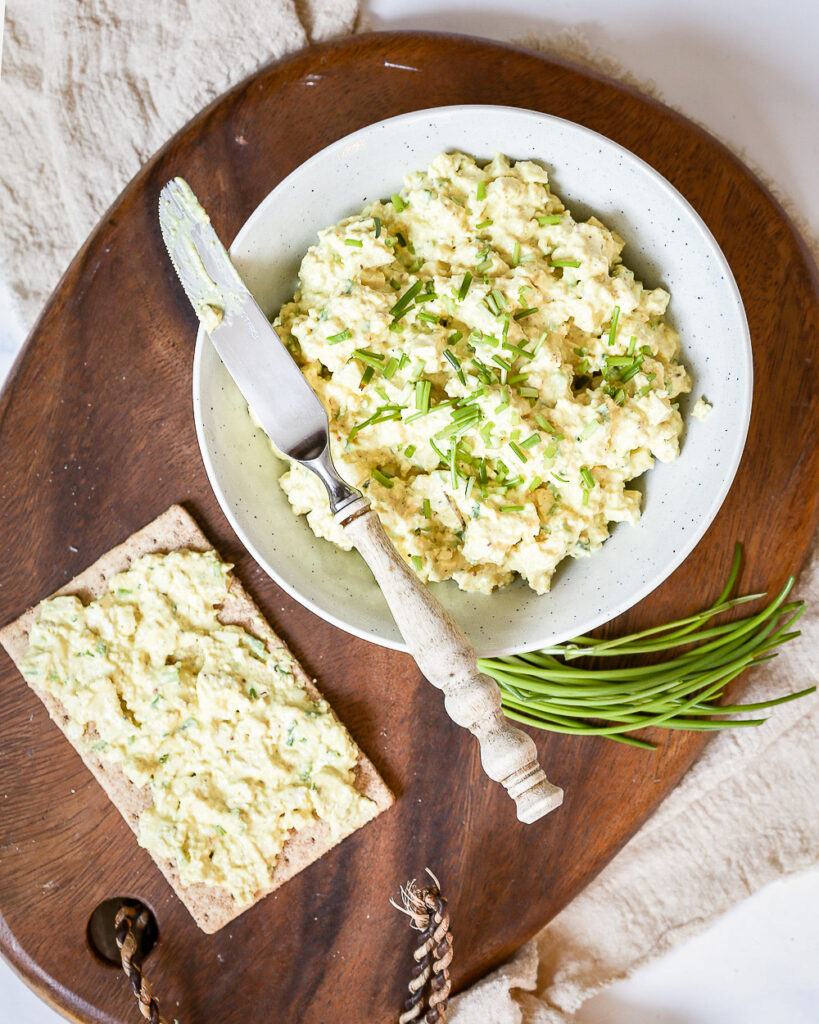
{"x":447,"y":659}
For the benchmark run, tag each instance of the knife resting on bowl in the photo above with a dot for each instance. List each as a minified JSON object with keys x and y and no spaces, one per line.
{"x":295,"y":420}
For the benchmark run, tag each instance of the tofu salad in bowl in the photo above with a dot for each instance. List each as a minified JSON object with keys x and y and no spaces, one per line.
{"x":499,"y":374}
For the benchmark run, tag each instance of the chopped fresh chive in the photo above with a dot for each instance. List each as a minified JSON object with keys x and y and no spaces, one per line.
{"x":416,"y":561}
{"x":632,"y":371}
{"x":334,"y":339}
{"x":521,"y":454}
{"x":544,"y":424}
{"x":619,"y":361}
{"x":377,"y":222}
{"x":502,"y":362}
{"x":409,"y":451}
{"x":423,"y":388}
{"x":550,"y":452}
{"x":391,"y":367}
{"x":366,"y":377}
{"x":467,"y":281}
{"x":384,"y":412}
{"x":486,"y":431}
{"x":640,"y":392}
{"x":501,"y":469}
{"x":564,"y":263}
{"x":396,"y":328}
{"x":480,"y":191}
{"x":401,"y":239}
{"x":415,"y":266}
{"x":613,"y":329}
{"x":483,"y":224}
{"x":518,"y":378}
{"x":382,"y":478}
{"x":364,"y":355}
{"x":356,"y":243}
{"x":536,"y":482}
{"x":402,"y":362}
{"x":562,"y":479}
{"x":522,"y":352}
{"x":429,"y":318}
{"x":426,"y":297}
{"x":437,"y":450}
{"x":523,"y":313}
{"x":403,"y":303}
{"x":504,"y":402}
{"x":586,"y":476}
{"x":549,"y":218}
{"x":511,"y":508}
{"x":395,"y":285}
{"x":457,"y":428}
{"x":453,"y":466}
{"x":631,"y":344}
{"x":397,"y":202}
{"x":455,"y":363}
{"x":454,"y":338}
{"x":465,"y":410}
{"x":530,"y":441}
{"x":528,"y":392}
{"x":427,"y":509}
{"x":498,"y":298}
{"x":589,"y":429}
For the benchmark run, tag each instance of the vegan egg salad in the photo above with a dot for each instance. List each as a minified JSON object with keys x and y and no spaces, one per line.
{"x":235,"y":752}
{"x":493,"y":374}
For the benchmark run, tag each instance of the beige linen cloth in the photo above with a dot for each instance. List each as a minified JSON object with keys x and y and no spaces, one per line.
{"x":88,"y":92}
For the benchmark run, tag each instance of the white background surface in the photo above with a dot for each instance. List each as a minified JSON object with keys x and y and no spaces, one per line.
{"x":749,"y":71}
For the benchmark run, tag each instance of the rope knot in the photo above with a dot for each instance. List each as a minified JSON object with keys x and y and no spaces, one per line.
{"x":429,"y":984}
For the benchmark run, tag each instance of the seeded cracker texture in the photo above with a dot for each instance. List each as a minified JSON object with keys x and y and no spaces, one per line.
{"x":210,"y":906}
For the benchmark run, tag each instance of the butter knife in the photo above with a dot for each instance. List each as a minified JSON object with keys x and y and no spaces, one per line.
{"x":295,"y":420}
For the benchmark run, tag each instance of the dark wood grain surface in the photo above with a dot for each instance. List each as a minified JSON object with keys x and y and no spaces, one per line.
{"x":97,"y":437}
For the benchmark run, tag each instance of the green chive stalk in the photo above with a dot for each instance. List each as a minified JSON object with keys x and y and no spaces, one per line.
{"x":682,"y":691}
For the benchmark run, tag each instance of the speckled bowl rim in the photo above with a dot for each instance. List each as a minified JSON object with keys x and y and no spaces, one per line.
{"x":651,"y":583}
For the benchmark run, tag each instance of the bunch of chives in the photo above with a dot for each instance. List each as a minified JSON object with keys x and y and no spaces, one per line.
{"x":547,"y":689}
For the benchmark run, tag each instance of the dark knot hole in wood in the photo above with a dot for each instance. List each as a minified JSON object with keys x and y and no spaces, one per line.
{"x":101,"y":930}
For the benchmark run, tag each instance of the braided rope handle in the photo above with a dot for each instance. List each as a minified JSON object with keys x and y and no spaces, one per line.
{"x":129,"y":923}
{"x":430,"y":984}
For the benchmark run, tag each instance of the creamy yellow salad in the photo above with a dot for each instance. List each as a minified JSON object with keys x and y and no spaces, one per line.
{"x":236,"y":753}
{"x":494,"y":375}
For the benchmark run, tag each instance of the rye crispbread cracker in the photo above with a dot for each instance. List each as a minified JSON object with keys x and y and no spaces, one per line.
{"x":211,"y":906}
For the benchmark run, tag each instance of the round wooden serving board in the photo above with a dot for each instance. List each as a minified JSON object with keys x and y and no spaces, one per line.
{"x":97,"y":437}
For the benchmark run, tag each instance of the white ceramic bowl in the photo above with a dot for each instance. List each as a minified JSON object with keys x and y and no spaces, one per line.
{"x":667,"y":244}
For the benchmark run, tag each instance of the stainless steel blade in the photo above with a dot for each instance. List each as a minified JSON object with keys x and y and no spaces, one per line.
{"x":267,"y":375}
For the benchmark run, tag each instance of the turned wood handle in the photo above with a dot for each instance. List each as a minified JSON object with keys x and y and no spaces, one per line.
{"x":447,"y":659}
